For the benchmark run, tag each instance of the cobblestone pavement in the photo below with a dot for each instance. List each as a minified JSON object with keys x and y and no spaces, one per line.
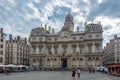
{"x":55,"y":75}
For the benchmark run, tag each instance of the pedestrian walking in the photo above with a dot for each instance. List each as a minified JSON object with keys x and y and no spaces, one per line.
{"x":89,"y":70}
{"x":78,"y":72}
{"x":73,"y":74}
{"x":93,"y":70}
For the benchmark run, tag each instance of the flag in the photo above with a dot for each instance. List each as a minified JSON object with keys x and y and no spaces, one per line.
{"x":77,"y":52}
{"x":63,"y":53}
{"x":50,"y":52}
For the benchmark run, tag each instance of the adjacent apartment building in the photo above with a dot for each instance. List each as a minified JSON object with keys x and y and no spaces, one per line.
{"x":67,"y":48}
{"x":2,"y":46}
{"x":17,"y":51}
{"x":112,"y":51}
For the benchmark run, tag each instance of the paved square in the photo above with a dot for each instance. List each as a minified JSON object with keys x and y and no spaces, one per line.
{"x":55,"y":75}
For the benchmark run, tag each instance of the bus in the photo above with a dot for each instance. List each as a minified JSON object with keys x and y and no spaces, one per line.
{"x":114,"y":69}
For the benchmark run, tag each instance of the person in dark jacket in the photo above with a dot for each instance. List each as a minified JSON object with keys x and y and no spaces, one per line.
{"x":73,"y":73}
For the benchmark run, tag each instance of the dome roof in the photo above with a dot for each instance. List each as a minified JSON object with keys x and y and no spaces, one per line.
{"x":38,"y":31}
{"x":69,"y":17}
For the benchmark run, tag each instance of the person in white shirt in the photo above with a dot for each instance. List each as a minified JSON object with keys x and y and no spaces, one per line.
{"x":78,"y":72}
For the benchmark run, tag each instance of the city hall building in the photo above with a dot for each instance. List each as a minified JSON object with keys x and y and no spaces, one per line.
{"x":67,"y":48}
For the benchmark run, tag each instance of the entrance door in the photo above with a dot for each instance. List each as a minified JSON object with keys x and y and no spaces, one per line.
{"x":64,"y":62}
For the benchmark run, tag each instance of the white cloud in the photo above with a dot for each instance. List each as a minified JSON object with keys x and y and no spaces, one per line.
{"x":37,"y":1}
{"x":114,"y":27}
{"x":100,"y":1}
{"x":36,"y":11}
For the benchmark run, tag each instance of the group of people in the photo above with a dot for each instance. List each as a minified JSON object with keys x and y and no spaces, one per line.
{"x":74,"y":73}
{"x":92,"y":70}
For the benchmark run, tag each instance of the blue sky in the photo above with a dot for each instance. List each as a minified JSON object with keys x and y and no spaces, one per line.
{"x":18,"y":17}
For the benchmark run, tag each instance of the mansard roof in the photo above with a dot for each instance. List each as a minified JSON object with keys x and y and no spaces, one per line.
{"x":39,"y":31}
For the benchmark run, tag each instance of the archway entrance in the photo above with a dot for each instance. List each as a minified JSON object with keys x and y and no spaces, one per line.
{"x":64,"y":62}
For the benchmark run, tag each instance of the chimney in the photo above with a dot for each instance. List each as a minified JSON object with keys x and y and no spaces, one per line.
{"x":107,"y":44}
{"x":53,"y":30}
{"x":99,"y":22}
{"x":1,"y":29}
{"x":10,"y":37}
{"x":110,"y":41}
{"x":14,"y":40}
{"x":18,"y":38}
{"x":25,"y":40}
{"x":77,"y":29}
{"x":49,"y":29}
{"x":115,"y":36}
{"x":45,"y":27}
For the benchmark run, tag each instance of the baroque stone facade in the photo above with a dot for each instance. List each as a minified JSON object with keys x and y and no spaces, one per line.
{"x":67,"y":48}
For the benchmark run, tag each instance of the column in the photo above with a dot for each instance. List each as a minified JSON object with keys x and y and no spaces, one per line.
{"x":60,"y":49}
{"x":37,"y":49}
{"x":100,"y":47}
{"x":69,"y":49}
{"x":59,"y":62}
{"x":94,"y":49}
{"x":77,"y":64}
{"x":77,"y":48}
{"x":86,"y":49}
{"x":44,"y":49}
{"x":52,"y":49}
{"x":51,"y":64}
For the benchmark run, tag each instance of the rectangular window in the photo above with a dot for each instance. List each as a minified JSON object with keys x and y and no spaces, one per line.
{"x":89,"y":36}
{"x":40,"y":39}
{"x":81,"y":50}
{"x":64,"y":51}
{"x":49,"y":51}
{"x":34,"y":50}
{"x":1,"y":40}
{"x":89,"y":49}
{"x":34,"y":39}
{"x":74,"y":49}
{"x":97,"y":36}
{"x":1,"y":52}
{"x":1,"y":59}
{"x":1,"y":46}
{"x":118,"y":60}
{"x":40,"y":50}
{"x":55,"y":50}
{"x":97,"y":48}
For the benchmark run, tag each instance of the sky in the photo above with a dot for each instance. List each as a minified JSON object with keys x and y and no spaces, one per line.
{"x":18,"y":17}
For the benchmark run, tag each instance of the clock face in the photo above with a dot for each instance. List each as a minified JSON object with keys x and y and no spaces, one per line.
{"x":64,"y":34}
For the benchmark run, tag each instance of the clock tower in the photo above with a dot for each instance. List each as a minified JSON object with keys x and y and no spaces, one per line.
{"x":68,"y":25}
